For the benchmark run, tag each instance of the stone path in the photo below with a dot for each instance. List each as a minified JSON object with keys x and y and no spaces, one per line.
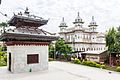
{"x":62,"y":71}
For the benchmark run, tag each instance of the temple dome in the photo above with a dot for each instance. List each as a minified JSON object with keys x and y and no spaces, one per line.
{"x":63,"y":23}
{"x":93,"y":22}
{"x":78,"y":19}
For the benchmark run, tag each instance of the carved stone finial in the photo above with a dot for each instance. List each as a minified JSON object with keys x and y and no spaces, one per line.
{"x":26,"y":11}
{"x":92,"y":18}
{"x":63,"y":19}
{"x":78,"y":14}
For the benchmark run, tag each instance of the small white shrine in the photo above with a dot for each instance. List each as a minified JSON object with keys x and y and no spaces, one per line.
{"x":27,"y":45}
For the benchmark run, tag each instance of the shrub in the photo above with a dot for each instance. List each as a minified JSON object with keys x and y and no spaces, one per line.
{"x":93,"y":64}
{"x":4,"y":48}
{"x":77,"y":61}
{"x":89,"y":63}
{"x":84,"y":62}
{"x":118,"y":68}
{"x":98,"y":65}
{"x":103,"y":66}
{"x":3,"y":63}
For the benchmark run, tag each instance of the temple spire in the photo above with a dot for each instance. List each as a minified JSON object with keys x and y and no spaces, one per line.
{"x":63,"y":19}
{"x":93,"y":25}
{"x":78,"y":19}
{"x":27,"y":11}
{"x":93,"y":22}
{"x":92,"y":18}
{"x":78,"y":14}
{"x":63,"y":23}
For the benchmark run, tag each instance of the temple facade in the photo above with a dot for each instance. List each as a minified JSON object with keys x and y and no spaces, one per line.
{"x":27,"y":45}
{"x":82,"y":38}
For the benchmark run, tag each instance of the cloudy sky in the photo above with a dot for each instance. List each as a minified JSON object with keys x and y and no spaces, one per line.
{"x":106,"y":12}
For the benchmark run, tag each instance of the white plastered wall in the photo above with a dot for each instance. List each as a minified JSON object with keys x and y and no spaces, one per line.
{"x":19,"y":57}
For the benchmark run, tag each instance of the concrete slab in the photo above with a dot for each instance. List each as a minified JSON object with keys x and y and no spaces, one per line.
{"x":62,"y":71}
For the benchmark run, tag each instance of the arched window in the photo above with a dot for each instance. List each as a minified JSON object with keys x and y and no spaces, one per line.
{"x":83,"y":36}
{"x":80,"y":49}
{"x":99,"y":48}
{"x":91,"y":48}
{"x":104,"y":48}
{"x":75,"y":36}
{"x":77,"y":49}
{"x":84,"y":49}
{"x":87,"y":49}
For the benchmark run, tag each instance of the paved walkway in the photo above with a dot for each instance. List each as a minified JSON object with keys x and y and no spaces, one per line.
{"x":62,"y":71}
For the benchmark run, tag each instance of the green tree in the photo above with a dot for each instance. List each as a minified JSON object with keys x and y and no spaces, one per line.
{"x":110,"y":40}
{"x":113,"y":41}
{"x":51,"y":50}
{"x":117,"y":40}
{"x":62,"y":48}
{"x":3,"y":25}
{"x":3,"y":57}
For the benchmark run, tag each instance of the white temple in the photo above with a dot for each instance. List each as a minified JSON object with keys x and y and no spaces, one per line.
{"x":82,"y":38}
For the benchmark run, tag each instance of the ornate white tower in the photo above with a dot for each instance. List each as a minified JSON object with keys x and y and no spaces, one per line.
{"x":63,"y":26}
{"x":78,"y":22}
{"x":93,"y":25}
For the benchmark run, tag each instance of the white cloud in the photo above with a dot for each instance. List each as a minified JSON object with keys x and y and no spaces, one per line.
{"x":106,"y":12}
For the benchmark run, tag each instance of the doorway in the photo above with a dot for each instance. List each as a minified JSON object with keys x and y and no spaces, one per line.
{"x":9,"y":66}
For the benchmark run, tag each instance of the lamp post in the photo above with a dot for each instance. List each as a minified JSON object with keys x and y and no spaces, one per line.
{"x":54,"y":54}
{"x":73,"y":44}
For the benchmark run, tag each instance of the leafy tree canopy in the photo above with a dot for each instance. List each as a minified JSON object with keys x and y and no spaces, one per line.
{"x":62,"y":48}
{"x":3,"y":24}
{"x":113,"y":39}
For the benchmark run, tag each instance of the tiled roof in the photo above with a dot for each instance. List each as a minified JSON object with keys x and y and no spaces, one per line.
{"x":26,"y":37}
{"x":19,"y":18}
